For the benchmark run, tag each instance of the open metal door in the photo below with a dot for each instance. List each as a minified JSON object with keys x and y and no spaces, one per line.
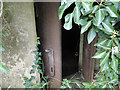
{"x":49,"y":30}
{"x":86,"y":62}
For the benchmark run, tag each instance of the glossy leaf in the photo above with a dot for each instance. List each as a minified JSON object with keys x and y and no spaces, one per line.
{"x":85,"y":27}
{"x":4,"y":33}
{"x":91,"y":35}
{"x":2,"y":48}
{"x":91,"y":16}
{"x":3,"y":68}
{"x":32,"y":71}
{"x":104,"y":67}
{"x":114,"y":63}
{"x":108,"y":27}
{"x":95,"y":8}
{"x":101,"y":42}
{"x":105,"y":59}
{"x":68,"y":21}
{"x":87,"y":6}
{"x":82,"y":22}
{"x":99,"y":54}
{"x":78,"y":4}
{"x":62,"y":8}
{"x":109,"y":19}
{"x":76,"y":14}
{"x":112,"y":11}
{"x":100,"y":27}
{"x":115,"y":79}
{"x":99,"y":17}
{"x":86,"y":84}
{"x":116,"y":41}
{"x":105,"y":47}
{"x":109,"y":43}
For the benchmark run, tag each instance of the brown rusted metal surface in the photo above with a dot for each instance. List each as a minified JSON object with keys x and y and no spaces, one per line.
{"x":88,"y":62}
{"x":49,"y":30}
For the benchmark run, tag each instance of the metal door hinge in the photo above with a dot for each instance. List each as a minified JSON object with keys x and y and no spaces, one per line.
{"x":51,"y":61}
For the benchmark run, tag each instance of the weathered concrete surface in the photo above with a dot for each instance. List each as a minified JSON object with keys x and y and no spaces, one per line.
{"x":19,"y":43}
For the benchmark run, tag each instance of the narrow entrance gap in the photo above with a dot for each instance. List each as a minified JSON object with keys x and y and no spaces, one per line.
{"x":70,"y":47}
{"x":70,"y":51}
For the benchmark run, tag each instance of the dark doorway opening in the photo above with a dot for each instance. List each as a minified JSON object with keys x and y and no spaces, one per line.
{"x":70,"y":47}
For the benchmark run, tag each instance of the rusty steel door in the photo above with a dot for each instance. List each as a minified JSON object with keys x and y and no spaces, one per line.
{"x":49,"y":30}
{"x":87,"y":60}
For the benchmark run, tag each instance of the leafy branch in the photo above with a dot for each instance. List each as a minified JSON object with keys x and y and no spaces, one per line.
{"x":95,"y":17}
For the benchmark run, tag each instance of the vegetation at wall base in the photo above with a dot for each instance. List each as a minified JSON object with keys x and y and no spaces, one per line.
{"x":39,"y":68}
{"x":97,"y":18}
{"x":2,"y":48}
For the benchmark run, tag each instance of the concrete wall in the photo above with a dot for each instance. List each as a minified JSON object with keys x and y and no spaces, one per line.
{"x":19,"y":43}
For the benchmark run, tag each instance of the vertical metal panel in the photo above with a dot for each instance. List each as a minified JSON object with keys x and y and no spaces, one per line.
{"x":49,"y":30}
{"x":87,"y":62}
{"x":81,"y":51}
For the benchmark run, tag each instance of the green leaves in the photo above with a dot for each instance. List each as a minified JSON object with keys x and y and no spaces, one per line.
{"x":76,"y":14}
{"x":101,"y":42}
{"x":95,"y":8}
{"x":87,"y":6}
{"x":99,"y":17}
{"x":114,"y":63}
{"x":3,"y":68}
{"x":108,"y":27}
{"x":62,"y":8}
{"x":85,"y":27}
{"x":116,"y":41}
{"x":68,"y":21}
{"x":2,"y":48}
{"x":82,"y":22}
{"x":99,"y":54}
{"x":29,"y":83}
{"x":91,"y":35}
{"x":104,"y":62}
{"x":86,"y":84}
{"x":112,"y":11}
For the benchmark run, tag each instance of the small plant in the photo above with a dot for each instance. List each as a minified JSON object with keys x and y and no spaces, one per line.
{"x":38,"y":67}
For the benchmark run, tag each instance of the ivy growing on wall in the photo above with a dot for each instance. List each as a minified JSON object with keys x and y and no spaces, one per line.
{"x":98,"y":18}
{"x":3,"y":33}
{"x":39,"y":68}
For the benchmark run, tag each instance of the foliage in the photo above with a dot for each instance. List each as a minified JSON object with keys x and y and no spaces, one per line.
{"x":70,"y":83}
{"x":2,"y":36}
{"x":98,"y":18}
{"x":37,"y":67}
{"x":2,"y":67}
